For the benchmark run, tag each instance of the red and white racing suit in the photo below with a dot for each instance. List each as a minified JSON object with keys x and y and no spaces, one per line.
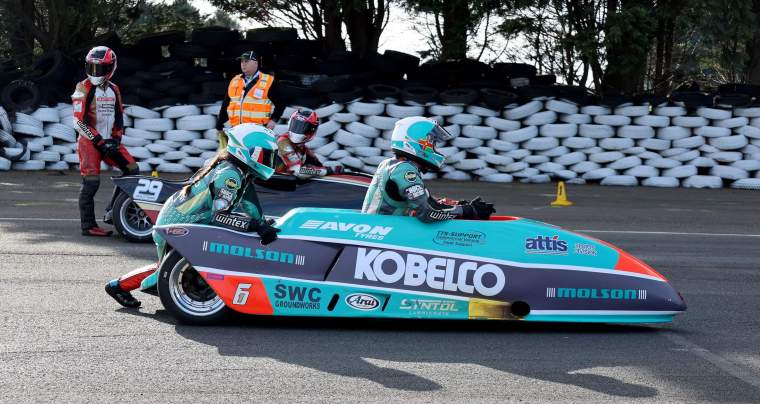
{"x":297,"y":159}
{"x":99,"y":109}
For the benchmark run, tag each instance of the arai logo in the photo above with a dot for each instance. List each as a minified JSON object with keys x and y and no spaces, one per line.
{"x":363,"y":302}
{"x":360,"y":230}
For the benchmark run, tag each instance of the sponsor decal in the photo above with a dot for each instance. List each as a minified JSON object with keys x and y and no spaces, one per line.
{"x":213,"y":247}
{"x":360,"y":230}
{"x":258,"y":93}
{"x":459,"y":238}
{"x":551,"y":245}
{"x":593,"y":293}
{"x":237,"y":222}
{"x":214,"y":277}
{"x":297,"y":297}
{"x":436,"y":273}
{"x":585,"y":249}
{"x":414,"y":192}
{"x":410,"y":176}
{"x":362,"y":301}
{"x":177,"y":231}
{"x":225,"y":194}
{"x":231,"y":183}
{"x":442,"y":215}
{"x":429,"y":307}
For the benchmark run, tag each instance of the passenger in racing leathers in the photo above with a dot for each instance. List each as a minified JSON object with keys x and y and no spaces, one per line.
{"x":397,"y":187}
{"x":221,"y":193}
{"x":293,"y":155}
{"x":99,"y":120}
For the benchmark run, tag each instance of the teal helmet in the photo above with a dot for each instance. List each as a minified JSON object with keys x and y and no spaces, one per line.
{"x":416,"y":137}
{"x":253,"y":145}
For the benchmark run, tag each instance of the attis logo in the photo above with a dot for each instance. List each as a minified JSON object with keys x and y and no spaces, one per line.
{"x":546,"y":245}
{"x":177,"y":231}
{"x":361,"y":301}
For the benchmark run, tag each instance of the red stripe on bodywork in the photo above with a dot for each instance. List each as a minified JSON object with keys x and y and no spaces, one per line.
{"x":256,"y":302}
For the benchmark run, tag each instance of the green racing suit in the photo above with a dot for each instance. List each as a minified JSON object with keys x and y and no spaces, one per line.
{"x":397,"y":189}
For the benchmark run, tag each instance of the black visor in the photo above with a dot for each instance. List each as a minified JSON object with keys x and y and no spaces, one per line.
{"x":266,"y":157}
{"x":301,"y":127}
{"x":99,"y":70}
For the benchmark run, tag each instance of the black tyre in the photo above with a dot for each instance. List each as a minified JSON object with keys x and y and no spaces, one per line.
{"x":164,"y":102}
{"x":213,"y":36}
{"x":271,"y":34}
{"x":161,"y":39}
{"x":732,"y":100}
{"x":497,"y":99}
{"x":419,"y":94}
{"x":164,"y":85}
{"x":130,"y":221}
{"x":406,"y":61}
{"x":543,"y":80}
{"x":462,"y":96}
{"x":191,"y":51}
{"x":186,"y":295}
{"x":22,"y":96}
{"x":200,"y":99}
{"x":382,"y":91}
{"x":614,"y":100}
{"x":693,"y":99}
{"x":343,"y":97}
{"x":215,"y":88}
{"x":512,"y":70}
{"x":333,"y":84}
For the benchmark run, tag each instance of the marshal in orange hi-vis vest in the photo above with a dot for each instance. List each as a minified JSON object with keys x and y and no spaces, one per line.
{"x":255,"y":107}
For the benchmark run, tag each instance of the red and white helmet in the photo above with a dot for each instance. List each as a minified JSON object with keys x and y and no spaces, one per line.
{"x":100,"y":64}
{"x":302,"y":126}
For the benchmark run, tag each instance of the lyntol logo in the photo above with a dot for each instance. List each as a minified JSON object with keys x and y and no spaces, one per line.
{"x":364,"y":231}
{"x":546,"y":245}
{"x":593,"y":293}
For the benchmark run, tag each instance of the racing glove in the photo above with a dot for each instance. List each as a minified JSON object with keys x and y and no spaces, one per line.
{"x":109,"y":147}
{"x":476,"y":209}
{"x":267,"y":232}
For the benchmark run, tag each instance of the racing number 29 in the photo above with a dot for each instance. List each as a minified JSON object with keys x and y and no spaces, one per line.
{"x":147,"y":190}
{"x":241,"y":294}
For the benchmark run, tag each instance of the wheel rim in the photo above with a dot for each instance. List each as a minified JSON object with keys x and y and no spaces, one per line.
{"x":134,"y":219}
{"x":191,"y":293}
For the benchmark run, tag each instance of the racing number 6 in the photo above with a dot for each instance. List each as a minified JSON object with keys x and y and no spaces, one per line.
{"x":241,"y":294}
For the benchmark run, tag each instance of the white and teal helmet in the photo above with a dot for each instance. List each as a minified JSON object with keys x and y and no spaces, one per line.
{"x":416,"y":137}
{"x":255,"y":146}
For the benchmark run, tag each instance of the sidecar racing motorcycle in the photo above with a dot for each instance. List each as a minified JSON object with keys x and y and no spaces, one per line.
{"x":332,"y":262}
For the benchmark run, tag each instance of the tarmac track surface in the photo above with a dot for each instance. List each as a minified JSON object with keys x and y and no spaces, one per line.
{"x":63,"y":339}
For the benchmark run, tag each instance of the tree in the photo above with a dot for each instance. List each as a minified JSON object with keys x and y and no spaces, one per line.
{"x":315,"y":19}
{"x":34,"y":27}
{"x":454,"y":24}
{"x":364,"y":20}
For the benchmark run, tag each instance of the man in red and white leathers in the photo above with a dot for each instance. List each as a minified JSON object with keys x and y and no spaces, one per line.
{"x":293,"y":156}
{"x":99,"y":120}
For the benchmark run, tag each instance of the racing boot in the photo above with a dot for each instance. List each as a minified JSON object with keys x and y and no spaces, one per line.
{"x":123,"y":298}
{"x":96,"y":231}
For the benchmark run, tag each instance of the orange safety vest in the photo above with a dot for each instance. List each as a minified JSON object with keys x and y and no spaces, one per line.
{"x":255,"y":107}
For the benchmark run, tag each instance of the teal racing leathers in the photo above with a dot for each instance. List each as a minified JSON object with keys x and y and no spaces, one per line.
{"x":226,"y":188}
{"x":397,"y":189}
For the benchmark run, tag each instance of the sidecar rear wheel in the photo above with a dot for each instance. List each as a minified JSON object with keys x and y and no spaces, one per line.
{"x":130,"y":221}
{"x":186,"y":295}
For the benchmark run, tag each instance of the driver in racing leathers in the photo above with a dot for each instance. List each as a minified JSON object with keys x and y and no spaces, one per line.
{"x":221,"y":193}
{"x":99,"y":120}
{"x":397,"y":187}
{"x":293,"y":155}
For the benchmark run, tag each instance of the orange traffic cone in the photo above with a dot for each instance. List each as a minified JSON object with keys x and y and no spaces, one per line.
{"x":561,"y":196}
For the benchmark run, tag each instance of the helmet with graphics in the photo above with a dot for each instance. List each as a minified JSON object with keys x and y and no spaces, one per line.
{"x":302,"y":126}
{"x":416,"y":137}
{"x":253,"y":145}
{"x":100,"y":64}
